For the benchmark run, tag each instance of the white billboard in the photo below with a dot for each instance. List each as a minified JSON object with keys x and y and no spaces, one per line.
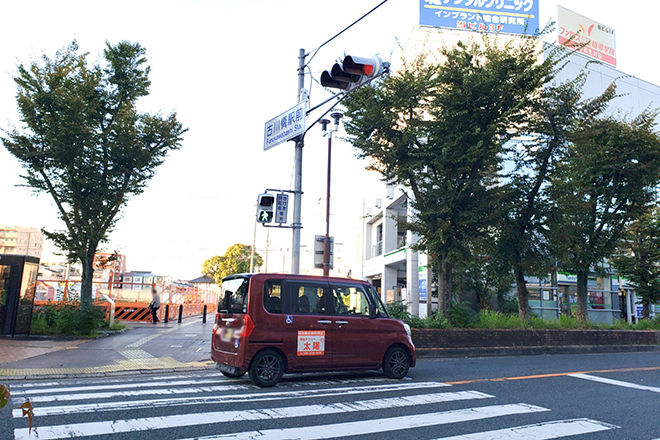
{"x":589,"y":37}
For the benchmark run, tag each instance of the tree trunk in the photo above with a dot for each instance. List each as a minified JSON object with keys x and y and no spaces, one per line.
{"x":582,"y":295}
{"x":444,"y":284}
{"x":524,"y":311}
{"x":566,"y":302}
{"x":87,"y":276}
{"x":646,"y":309}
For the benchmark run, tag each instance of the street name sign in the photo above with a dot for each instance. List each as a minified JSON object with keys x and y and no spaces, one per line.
{"x":286,"y":126}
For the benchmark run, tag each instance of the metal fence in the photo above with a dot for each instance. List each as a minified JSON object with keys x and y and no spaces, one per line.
{"x":131,"y":299}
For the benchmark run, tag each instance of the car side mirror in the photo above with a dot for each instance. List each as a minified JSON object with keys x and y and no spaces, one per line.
{"x":375,"y":313}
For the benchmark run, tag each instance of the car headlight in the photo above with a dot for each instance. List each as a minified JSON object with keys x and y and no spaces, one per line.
{"x":407,"y":328}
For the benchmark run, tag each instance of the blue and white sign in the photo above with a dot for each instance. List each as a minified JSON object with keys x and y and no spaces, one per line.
{"x":519,"y":17}
{"x":281,"y":207}
{"x":286,"y":126}
{"x":423,"y":283}
{"x":289,"y":319}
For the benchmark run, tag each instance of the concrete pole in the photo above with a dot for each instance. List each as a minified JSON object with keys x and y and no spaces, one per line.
{"x":297,"y":176}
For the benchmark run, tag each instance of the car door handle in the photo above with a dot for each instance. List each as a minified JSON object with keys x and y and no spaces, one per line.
{"x":324,"y":321}
{"x":341,"y":322}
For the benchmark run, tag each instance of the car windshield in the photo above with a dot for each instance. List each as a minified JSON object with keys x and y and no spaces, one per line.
{"x":376,"y":299}
{"x":233,"y":295}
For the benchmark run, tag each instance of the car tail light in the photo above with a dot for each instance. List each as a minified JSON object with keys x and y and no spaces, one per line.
{"x":248,"y":325}
{"x":216,"y":326}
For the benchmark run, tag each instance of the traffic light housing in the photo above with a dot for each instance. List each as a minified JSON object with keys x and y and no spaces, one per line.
{"x":353,"y":72}
{"x":265,"y":204}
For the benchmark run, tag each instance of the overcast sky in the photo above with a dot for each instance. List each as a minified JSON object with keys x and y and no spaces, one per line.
{"x":227,"y":66}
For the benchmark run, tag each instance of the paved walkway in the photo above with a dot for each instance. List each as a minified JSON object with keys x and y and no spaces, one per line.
{"x":144,"y":348}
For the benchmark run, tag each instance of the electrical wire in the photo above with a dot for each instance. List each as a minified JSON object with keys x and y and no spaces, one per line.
{"x":315,"y":51}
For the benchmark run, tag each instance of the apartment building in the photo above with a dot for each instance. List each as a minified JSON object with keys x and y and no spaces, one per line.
{"x":21,"y":240}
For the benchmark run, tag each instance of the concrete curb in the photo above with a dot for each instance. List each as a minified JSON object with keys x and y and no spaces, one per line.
{"x":430,"y":353}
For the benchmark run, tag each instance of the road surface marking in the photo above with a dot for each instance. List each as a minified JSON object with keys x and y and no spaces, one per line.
{"x":176,"y":346}
{"x":115,"y":386}
{"x":545,"y":376}
{"x":132,"y":393}
{"x":339,"y":430}
{"x":108,"y":380}
{"x":235,"y":385}
{"x":194,"y":419}
{"x":541,"y":431}
{"x":197,"y":351}
{"x":229,"y":398}
{"x":617,"y":382}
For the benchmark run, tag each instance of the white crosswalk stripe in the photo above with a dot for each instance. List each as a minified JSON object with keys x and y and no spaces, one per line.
{"x":214,"y":407}
{"x":227,"y":398}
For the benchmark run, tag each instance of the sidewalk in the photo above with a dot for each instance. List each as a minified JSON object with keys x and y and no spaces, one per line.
{"x":144,"y":348}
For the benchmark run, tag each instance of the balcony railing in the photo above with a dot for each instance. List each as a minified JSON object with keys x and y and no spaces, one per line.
{"x":377,"y":249}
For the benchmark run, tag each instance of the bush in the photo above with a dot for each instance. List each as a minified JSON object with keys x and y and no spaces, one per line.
{"x":67,"y":318}
{"x":461,"y":315}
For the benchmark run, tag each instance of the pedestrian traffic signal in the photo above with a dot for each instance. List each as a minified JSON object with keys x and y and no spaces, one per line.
{"x":353,"y":72}
{"x":265,"y":208}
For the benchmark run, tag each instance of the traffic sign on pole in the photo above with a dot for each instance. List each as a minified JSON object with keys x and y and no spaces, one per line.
{"x":286,"y":126}
{"x":281,"y":208}
{"x":319,"y":245}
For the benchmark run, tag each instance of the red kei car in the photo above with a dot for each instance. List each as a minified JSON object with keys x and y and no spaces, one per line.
{"x":271,"y":324}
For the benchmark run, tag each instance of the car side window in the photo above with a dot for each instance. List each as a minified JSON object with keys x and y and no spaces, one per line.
{"x":305,"y":299}
{"x":350,"y":300}
{"x":273,"y":297}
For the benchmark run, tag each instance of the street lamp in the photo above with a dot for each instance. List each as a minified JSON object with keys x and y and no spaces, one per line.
{"x":326,"y":241}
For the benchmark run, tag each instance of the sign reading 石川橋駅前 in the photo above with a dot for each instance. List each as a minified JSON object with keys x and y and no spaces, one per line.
{"x":519,"y":17}
{"x":586,"y":36}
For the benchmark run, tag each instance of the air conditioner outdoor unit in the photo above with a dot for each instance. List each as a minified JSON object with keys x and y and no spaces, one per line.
{"x":379,"y":203}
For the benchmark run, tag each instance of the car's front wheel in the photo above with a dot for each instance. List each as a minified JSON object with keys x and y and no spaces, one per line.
{"x":267,"y":368}
{"x":396,"y":363}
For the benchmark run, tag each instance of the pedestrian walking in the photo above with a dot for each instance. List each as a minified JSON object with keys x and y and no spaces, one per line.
{"x":154,"y":305}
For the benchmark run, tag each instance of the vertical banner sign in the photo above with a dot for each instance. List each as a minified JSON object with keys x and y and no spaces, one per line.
{"x":587,"y":36}
{"x":281,"y":208}
{"x":285,"y":126}
{"x":518,"y":17}
{"x":423,"y":283}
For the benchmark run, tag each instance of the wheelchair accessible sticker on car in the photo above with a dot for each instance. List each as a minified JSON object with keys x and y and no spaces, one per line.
{"x":311,"y":342}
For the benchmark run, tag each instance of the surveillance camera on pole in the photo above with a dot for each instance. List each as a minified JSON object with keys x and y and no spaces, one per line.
{"x":265,"y":204}
{"x":353,"y":72}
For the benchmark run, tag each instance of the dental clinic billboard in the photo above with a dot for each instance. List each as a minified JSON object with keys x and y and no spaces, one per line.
{"x":587,"y":36}
{"x":518,"y":17}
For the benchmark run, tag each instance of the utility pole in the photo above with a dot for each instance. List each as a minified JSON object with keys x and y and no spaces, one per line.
{"x":267,"y":245}
{"x":297,"y":175}
{"x":326,"y":240}
{"x":254,"y":238}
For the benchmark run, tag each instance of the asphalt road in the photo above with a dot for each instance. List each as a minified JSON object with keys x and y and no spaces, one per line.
{"x":596,"y":396}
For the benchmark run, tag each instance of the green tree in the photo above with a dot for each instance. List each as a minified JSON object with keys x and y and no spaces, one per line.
{"x":83,"y":141}
{"x":521,"y":237}
{"x":439,"y":129}
{"x":638,"y":258}
{"x":235,"y":260}
{"x":606,"y":181}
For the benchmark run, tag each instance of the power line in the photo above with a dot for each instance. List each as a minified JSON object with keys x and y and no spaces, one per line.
{"x":315,"y":51}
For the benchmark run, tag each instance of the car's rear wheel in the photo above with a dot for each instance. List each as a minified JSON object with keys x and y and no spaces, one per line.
{"x":396,"y":363}
{"x":267,"y":368}
{"x":233,"y":376}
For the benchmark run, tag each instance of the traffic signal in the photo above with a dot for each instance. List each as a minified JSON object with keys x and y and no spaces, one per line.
{"x":265,"y":204}
{"x":353,"y":72}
